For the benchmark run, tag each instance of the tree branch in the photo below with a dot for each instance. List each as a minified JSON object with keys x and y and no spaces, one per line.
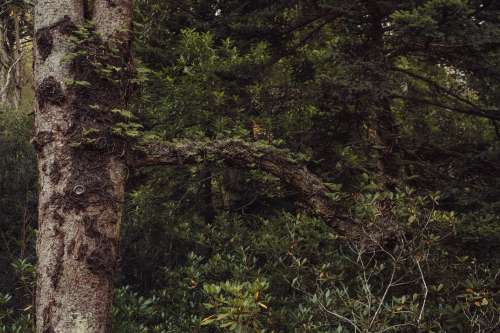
{"x":237,"y":153}
{"x":439,"y":87}
{"x":469,"y":111}
{"x":9,"y":73}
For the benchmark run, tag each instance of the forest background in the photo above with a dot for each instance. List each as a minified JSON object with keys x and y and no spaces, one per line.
{"x":394,"y":104}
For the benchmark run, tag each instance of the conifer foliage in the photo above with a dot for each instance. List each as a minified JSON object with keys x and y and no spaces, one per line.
{"x":281,"y":166}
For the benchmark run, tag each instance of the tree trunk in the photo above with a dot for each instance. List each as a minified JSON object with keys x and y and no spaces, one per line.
{"x":386,"y":131}
{"x":17,"y":60}
{"x":206,"y":194}
{"x":81,"y":188}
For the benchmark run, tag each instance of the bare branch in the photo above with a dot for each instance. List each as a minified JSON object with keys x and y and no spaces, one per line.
{"x":9,"y":73}
{"x":426,"y":291}
{"x":467,"y":111}
{"x":382,"y":300}
{"x":440,"y":88}
{"x":345,"y":319}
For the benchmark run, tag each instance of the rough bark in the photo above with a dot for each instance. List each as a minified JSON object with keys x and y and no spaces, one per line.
{"x":81,"y":189}
{"x":113,"y":19}
{"x":239,"y":154}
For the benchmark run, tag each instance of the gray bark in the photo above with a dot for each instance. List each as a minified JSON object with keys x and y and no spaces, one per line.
{"x":80,"y":190}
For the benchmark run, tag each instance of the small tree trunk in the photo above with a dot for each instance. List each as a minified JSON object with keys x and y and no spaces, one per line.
{"x":386,"y":131}
{"x":206,"y":194}
{"x":10,"y":65}
{"x":386,"y":139}
{"x":81,"y":189}
{"x":18,"y":63}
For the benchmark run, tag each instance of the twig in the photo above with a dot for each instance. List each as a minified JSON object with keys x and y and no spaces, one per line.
{"x":426,"y":290}
{"x":347,"y":320}
{"x":389,"y":285}
{"x":394,"y":327}
{"x":7,"y":80}
{"x":470,"y":111}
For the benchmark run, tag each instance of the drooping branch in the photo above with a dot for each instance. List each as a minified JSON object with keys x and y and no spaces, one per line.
{"x":440,"y":88}
{"x":488,"y":114}
{"x":313,"y":192}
